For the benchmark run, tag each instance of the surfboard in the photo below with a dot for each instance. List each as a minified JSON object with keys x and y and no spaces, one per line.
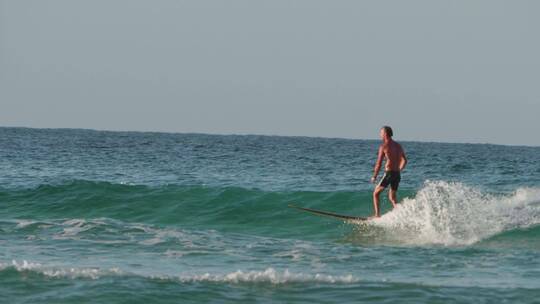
{"x":330,"y":214}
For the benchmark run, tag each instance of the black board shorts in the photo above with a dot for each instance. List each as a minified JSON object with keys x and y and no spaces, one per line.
{"x":391,"y":178}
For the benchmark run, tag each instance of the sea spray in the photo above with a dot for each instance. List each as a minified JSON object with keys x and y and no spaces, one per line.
{"x":451,"y":213}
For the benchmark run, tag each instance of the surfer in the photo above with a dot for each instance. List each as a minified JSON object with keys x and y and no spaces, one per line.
{"x":395,"y":163}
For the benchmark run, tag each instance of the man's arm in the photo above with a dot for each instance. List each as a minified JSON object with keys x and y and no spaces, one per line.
{"x":403,"y":161}
{"x":378,"y":164}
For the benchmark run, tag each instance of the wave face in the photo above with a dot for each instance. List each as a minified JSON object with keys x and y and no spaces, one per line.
{"x":110,"y":217}
{"x":440,"y":213}
{"x":224,"y":208}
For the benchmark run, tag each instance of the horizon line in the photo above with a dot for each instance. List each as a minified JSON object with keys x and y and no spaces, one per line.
{"x":267,"y":135}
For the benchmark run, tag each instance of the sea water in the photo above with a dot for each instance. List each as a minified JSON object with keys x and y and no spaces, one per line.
{"x":130,"y":217}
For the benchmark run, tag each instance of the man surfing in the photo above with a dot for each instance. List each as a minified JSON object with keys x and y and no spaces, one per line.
{"x":395,"y":163}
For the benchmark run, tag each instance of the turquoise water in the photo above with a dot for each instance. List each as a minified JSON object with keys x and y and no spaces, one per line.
{"x":127,"y":217}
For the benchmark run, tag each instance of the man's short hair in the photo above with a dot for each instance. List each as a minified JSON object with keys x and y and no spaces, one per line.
{"x":388,"y":131}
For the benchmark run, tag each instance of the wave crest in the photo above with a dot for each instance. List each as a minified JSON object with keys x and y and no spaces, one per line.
{"x":54,"y":272}
{"x":449,"y":213}
{"x":269,"y":275}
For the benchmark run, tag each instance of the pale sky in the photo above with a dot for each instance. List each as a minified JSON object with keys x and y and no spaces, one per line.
{"x":445,"y":71}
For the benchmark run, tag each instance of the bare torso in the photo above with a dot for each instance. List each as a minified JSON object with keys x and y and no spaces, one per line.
{"x":393,"y":154}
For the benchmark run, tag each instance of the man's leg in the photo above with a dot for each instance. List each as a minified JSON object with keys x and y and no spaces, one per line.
{"x":376,"y":194}
{"x":392,"y":197}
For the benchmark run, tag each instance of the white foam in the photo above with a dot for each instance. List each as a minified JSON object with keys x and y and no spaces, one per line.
{"x":55,"y":272}
{"x":110,"y":231}
{"x":269,"y":275}
{"x":455,"y":214}
{"x":161,"y":236}
{"x":24,"y":223}
{"x":75,"y":226}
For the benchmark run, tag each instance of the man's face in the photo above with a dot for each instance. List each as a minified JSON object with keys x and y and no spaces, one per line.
{"x":382,"y":133}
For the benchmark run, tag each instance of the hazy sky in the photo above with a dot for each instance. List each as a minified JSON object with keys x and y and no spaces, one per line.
{"x":450,"y":71}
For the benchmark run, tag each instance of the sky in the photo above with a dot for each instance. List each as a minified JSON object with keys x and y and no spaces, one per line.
{"x":444,"y":71}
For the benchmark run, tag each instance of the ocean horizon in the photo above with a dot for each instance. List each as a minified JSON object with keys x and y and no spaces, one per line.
{"x":465,"y":142}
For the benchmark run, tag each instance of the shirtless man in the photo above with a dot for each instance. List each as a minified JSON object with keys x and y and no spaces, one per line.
{"x":395,"y":163}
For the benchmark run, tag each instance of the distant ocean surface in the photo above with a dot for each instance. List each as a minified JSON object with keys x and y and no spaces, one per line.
{"x":131,"y":217}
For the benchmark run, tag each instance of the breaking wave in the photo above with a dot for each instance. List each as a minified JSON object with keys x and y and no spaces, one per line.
{"x":447,"y":213}
{"x":269,"y":275}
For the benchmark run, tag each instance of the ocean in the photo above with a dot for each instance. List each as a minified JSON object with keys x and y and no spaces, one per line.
{"x":139,"y":217}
